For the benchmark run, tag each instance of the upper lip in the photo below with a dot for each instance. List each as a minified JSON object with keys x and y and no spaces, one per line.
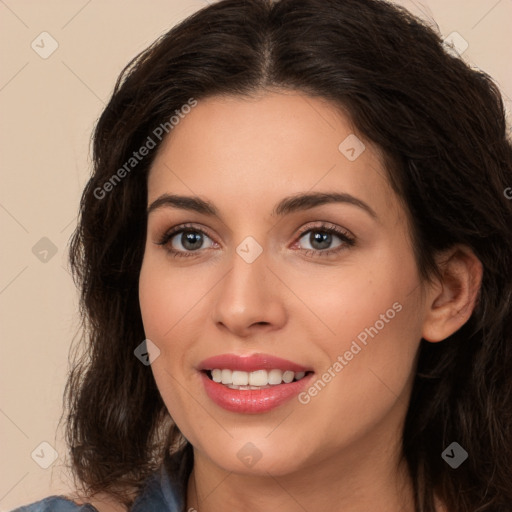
{"x":250,"y":363}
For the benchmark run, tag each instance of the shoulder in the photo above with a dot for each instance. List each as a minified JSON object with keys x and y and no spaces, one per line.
{"x":163,"y":490}
{"x":56,"y":504}
{"x":73,"y":503}
{"x":101,"y":502}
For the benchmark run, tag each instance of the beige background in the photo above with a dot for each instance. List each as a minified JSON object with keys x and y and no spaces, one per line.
{"x":48,"y":108}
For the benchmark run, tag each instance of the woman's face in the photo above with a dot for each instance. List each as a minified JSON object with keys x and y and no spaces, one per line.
{"x":259,"y":279}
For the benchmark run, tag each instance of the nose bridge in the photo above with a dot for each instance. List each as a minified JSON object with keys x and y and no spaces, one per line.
{"x":247,"y":295}
{"x":249,"y":255}
{"x":248,"y":275}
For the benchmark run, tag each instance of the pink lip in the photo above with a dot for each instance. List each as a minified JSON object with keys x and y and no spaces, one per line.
{"x":251,"y":401}
{"x":250,"y":363}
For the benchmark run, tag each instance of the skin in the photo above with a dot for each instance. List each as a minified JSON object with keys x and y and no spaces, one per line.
{"x":244,"y":155}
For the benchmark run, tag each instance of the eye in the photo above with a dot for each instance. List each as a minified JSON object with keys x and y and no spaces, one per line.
{"x":321,"y":239}
{"x":191,"y":240}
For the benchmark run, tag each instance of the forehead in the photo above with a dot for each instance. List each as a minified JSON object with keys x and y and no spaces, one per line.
{"x":261,"y":148}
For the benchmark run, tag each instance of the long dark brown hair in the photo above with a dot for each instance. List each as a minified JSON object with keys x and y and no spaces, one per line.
{"x":442,"y":129}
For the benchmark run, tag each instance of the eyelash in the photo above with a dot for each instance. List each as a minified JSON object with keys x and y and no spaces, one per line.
{"x":348,"y":240}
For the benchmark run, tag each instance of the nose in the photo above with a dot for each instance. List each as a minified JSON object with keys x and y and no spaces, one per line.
{"x":250,"y":298}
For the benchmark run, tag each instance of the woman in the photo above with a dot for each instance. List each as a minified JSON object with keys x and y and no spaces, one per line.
{"x":295,"y":259}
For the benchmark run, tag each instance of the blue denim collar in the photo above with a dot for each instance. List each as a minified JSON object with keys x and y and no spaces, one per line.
{"x":164,"y":491}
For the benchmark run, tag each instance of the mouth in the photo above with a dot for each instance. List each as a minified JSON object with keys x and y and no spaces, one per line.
{"x":252,"y":384}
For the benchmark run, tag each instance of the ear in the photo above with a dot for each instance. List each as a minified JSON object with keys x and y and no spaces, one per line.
{"x":451,"y":301}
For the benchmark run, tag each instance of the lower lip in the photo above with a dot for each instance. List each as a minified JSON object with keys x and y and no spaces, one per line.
{"x":252,"y":401}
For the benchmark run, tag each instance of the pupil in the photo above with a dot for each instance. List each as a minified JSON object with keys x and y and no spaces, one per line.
{"x":324,"y":238}
{"x":190,"y":238}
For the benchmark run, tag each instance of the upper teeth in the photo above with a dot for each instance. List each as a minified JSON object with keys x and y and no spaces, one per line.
{"x":257,"y":378}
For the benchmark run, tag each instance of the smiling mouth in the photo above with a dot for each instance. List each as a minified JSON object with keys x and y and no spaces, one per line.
{"x":259,"y":379}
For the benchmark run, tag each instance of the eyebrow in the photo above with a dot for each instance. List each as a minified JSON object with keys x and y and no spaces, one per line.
{"x":290,"y":204}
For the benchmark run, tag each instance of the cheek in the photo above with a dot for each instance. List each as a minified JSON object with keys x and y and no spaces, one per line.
{"x":379,"y":330}
{"x":362,"y":297}
{"x":153,"y":299}
{"x":367,"y":371}
{"x":166,"y":295}
{"x":372,"y":313}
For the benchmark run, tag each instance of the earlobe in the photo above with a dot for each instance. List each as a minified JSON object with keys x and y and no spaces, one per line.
{"x":451,"y":301}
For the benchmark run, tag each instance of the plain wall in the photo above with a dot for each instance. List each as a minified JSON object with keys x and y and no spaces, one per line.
{"x":48,"y":109}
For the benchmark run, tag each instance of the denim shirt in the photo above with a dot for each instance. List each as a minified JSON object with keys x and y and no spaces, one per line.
{"x":162,"y":492}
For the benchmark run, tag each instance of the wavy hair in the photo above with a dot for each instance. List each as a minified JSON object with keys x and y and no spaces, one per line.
{"x":442,"y":128}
